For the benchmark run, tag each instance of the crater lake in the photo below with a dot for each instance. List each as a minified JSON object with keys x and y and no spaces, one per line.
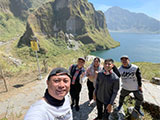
{"x":138,"y":46}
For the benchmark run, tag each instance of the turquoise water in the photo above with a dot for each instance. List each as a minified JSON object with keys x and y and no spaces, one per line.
{"x":139,"y":47}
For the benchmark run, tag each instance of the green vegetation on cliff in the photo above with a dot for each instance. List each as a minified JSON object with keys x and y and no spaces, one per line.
{"x":13,"y":14}
{"x":10,"y":27}
{"x":60,"y":18}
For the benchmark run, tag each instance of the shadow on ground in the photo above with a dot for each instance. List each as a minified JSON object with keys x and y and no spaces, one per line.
{"x":83,"y":113}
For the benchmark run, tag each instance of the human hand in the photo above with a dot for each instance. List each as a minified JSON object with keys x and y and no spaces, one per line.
{"x":140,"y":89}
{"x":109,"y":108}
{"x":82,"y":75}
{"x":96,"y":72}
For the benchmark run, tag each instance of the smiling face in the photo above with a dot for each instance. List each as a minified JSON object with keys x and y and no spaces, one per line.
{"x":59,"y":86}
{"x":108,"y":65}
{"x":80,"y":63}
{"x":96,"y":63}
{"x":125,"y":61}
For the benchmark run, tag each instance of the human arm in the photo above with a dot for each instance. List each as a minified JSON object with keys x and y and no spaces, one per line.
{"x":83,"y":77}
{"x":90,"y":74}
{"x":139,"y":79}
{"x":96,"y":87}
{"x":34,"y":117}
{"x":116,"y":71}
{"x":115,"y":90}
{"x":35,"y":114}
{"x":70,"y":68}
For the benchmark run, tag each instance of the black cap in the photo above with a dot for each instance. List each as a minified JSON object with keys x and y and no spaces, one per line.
{"x":55,"y":71}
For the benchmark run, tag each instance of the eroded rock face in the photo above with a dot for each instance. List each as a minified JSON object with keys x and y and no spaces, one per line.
{"x":19,"y":8}
{"x":4,"y":6}
{"x":75,"y":17}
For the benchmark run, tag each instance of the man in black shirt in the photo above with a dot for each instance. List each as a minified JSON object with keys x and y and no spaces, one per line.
{"x":107,"y":86}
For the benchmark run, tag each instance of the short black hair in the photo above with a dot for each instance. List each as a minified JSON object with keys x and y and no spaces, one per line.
{"x":109,"y":60}
{"x":97,"y":58}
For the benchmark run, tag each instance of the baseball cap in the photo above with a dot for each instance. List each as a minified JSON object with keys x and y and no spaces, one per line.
{"x":55,"y":71}
{"x":124,"y":56}
{"x":81,"y":58}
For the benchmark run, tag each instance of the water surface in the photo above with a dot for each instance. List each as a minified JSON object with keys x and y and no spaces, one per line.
{"x":139,"y":47}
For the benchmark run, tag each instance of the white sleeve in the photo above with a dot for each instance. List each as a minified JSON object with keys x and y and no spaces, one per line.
{"x":35,"y":114}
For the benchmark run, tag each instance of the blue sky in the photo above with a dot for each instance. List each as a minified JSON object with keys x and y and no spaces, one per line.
{"x":149,"y":7}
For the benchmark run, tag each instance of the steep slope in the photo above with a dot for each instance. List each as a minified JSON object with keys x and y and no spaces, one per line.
{"x":59,"y":18}
{"x":10,"y":26}
{"x":13,"y":14}
{"x":122,"y":20}
{"x":21,"y":8}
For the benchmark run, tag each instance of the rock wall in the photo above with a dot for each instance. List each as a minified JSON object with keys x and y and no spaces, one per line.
{"x":75,"y":17}
{"x":153,"y":109}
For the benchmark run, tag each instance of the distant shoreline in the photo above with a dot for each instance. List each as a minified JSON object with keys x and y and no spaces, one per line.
{"x":93,"y":56}
{"x":140,"y":47}
{"x":112,"y":31}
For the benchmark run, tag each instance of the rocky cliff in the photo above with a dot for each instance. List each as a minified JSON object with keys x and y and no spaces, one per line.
{"x":59,"y":18}
{"x":20,"y":8}
{"x":13,"y":15}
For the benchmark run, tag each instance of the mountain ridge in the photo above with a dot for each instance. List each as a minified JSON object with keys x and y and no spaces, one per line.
{"x":122,"y":20}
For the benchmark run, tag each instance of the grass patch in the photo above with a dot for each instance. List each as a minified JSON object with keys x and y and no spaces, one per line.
{"x":4,"y":119}
{"x":130,"y":102}
{"x":55,"y":56}
{"x":10,"y":27}
{"x":148,"y":70}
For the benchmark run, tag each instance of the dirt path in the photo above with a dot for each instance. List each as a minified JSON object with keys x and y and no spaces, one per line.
{"x":14,"y":104}
{"x":19,"y":101}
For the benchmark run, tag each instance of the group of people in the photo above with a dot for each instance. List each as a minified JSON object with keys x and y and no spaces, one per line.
{"x":103,"y":85}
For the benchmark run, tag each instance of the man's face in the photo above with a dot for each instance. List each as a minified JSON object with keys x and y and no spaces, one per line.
{"x":125,"y":61}
{"x":80,"y":63}
{"x":108,"y":65}
{"x":58,"y":86}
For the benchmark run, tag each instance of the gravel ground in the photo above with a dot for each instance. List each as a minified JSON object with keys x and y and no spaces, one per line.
{"x":14,"y":104}
{"x":86,"y":112}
